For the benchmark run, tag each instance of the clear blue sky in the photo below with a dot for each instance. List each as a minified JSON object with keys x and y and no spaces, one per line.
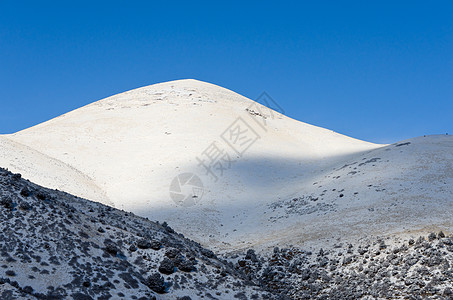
{"x":376,"y":70}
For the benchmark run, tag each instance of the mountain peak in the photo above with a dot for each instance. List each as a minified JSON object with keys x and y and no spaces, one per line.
{"x":138,"y":150}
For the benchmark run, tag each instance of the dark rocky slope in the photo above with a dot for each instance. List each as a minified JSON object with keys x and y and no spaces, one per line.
{"x":57,"y":246}
{"x":389,"y":268}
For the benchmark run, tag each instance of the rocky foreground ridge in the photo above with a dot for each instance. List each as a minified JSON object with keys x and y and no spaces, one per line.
{"x":57,"y":246}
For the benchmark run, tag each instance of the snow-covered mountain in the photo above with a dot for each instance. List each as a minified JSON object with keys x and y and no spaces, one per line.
{"x":232,"y":174}
{"x":57,"y":246}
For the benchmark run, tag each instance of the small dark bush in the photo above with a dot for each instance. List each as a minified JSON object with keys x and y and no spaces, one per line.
{"x":25,"y":192}
{"x":156,"y":283}
{"x":24,"y":206}
{"x":186,"y":266}
{"x":42,"y":196}
{"x":155,"y":245}
{"x":6,"y":202}
{"x":166,"y":266}
{"x":143,"y":244}
{"x":111,"y":248}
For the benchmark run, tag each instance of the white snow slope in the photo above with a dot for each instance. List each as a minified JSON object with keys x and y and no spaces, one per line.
{"x":274,"y":180}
